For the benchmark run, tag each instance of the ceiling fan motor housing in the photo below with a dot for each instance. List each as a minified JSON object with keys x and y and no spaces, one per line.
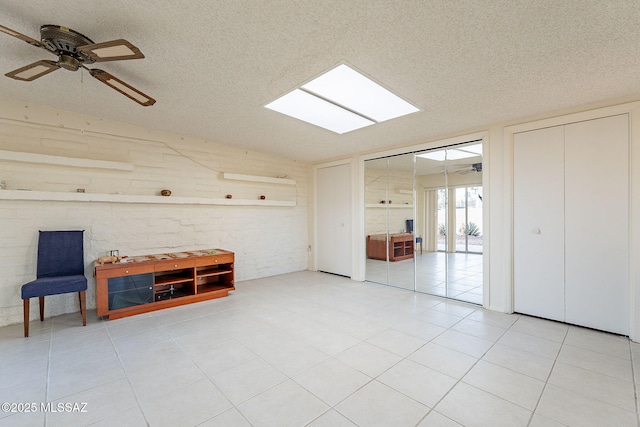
{"x":64,"y":42}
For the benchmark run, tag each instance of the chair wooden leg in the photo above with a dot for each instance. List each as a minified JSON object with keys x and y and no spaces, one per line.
{"x":41,"y":309}
{"x":25,"y":305}
{"x":83,"y":308}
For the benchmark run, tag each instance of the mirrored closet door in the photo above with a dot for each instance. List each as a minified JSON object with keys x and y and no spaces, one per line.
{"x":389,"y":221}
{"x":423,"y":219}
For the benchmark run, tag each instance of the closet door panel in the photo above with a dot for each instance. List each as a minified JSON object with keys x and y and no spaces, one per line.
{"x":597,"y":223}
{"x":539,"y":223}
{"x":333,"y":195}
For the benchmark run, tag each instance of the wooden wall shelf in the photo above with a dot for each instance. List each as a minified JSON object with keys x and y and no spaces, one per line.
{"x":123,"y":198}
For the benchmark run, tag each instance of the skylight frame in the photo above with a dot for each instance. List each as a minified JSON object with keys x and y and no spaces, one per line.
{"x":355,"y":97}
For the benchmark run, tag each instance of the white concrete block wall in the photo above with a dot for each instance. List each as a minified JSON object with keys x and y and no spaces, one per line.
{"x":267,"y":240}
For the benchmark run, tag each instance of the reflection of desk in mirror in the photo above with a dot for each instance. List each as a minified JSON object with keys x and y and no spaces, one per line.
{"x":400,"y":246}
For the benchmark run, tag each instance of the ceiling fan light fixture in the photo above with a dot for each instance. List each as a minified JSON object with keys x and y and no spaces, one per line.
{"x":69,"y":63}
{"x":33,"y":71}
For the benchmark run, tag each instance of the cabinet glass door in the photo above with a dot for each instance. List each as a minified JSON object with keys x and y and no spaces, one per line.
{"x":127,"y":291}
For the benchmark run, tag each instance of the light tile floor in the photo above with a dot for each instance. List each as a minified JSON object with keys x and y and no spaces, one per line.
{"x":320,"y":350}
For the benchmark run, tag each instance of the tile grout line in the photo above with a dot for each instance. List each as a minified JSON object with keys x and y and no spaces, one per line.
{"x":459,"y":380}
{"x":635,"y":385}
{"x":546,"y":382}
{"x":46,"y":390}
{"x":126,"y":375}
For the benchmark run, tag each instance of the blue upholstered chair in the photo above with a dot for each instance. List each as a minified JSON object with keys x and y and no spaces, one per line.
{"x":60,"y":270}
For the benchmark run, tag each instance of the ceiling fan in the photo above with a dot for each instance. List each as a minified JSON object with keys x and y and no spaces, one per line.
{"x":74,"y":51}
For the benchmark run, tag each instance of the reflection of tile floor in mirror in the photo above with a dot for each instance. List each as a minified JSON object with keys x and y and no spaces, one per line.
{"x":465,"y":274}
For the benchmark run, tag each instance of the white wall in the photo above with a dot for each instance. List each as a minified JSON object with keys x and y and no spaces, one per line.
{"x":267,"y":240}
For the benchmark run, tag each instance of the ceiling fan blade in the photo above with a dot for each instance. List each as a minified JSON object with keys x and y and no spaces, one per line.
{"x":114,"y":50}
{"x":122,"y":87}
{"x":21,"y":36}
{"x":33,"y":71}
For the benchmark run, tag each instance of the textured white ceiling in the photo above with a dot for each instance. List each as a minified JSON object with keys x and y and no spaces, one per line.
{"x":213,"y":65}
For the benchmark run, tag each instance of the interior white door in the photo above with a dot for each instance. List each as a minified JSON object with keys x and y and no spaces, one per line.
{"x":538,"y":252}
{"x":597,"y":223}
{"x":333,"y":221}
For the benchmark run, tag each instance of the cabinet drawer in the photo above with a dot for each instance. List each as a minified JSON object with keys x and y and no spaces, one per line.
{"x":214,"y":259}
{"x":124,"y":271}
{"x":174,"y":264}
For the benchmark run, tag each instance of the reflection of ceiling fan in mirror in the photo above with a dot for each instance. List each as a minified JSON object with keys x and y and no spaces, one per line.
{"x":75,"y":51}
{"x":465,"y":169}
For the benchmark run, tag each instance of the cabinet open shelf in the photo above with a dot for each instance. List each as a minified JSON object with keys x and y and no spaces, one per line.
{"x":213,"y":272}
{"x":168,"y":279}
{"x":209,"y":287}
{"x":170,"y":294}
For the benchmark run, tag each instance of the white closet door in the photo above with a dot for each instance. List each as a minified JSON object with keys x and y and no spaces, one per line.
{"x":597,"y":223}
{"x":538,"y":250}
{"x":333,"y":198}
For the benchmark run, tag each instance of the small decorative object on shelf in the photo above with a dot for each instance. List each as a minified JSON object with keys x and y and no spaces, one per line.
{"x":111,"y":259}
{"x":165,"y":192}
{"x":262,"y":197}
{"x":3,"y":185}
{"x":229,"y":196}
{"x":79,"y":190}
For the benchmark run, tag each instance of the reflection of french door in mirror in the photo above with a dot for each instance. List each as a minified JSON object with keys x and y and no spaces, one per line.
{"x":469,"y":219}
{"x":429,"y":203}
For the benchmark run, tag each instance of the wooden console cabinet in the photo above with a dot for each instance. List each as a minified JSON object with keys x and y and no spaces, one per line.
{"x":400,"y":246}
{"x":153,"y":282}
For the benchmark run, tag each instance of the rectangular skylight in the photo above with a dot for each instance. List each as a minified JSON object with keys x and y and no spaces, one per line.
{"x":342,"y":100}
{"x":314,"y":110}
{"x":345,"y":86}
